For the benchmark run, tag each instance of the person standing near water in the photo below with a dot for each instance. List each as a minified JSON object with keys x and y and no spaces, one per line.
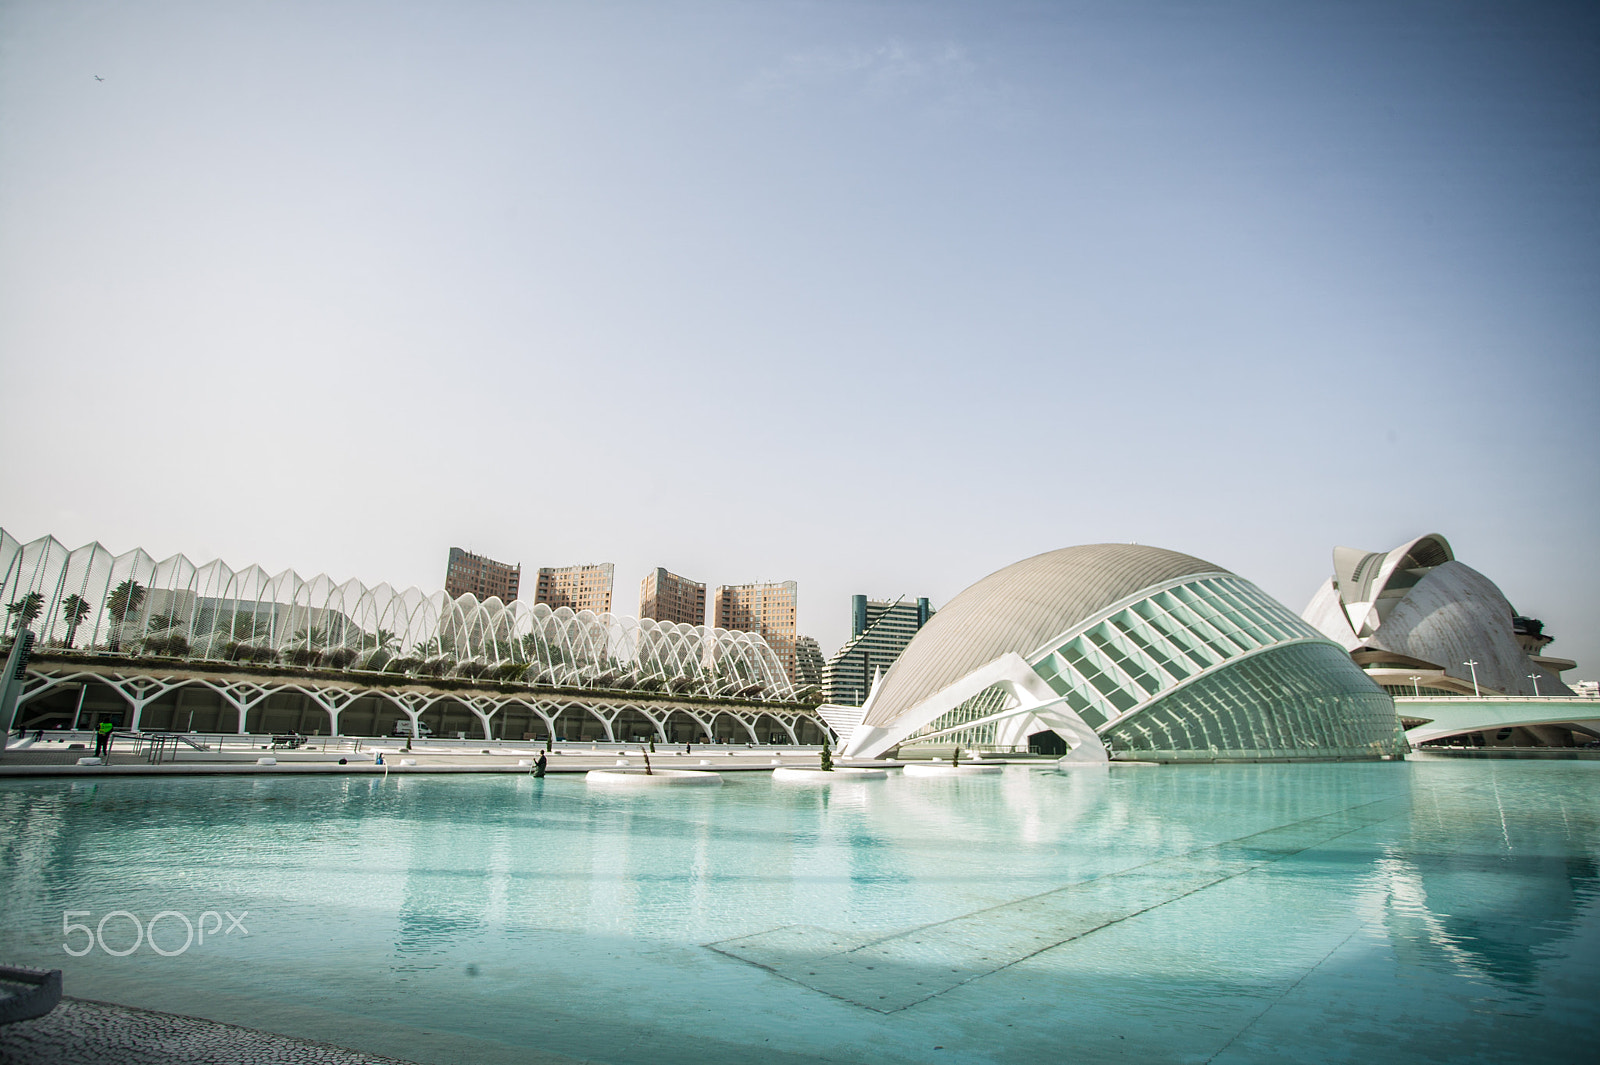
{"x":539,"y":766}
{"x":102,"y":738}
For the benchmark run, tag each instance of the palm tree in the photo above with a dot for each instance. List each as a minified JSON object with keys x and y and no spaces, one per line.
{"x":74,"y":608}
{"x":126,"y":598}
{"x":26,"y":609}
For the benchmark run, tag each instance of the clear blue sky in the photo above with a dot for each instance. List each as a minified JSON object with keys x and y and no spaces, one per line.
{"x":876,"y":297}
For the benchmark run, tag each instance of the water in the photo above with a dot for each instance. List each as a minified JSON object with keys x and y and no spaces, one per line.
{"x":1422,"y":911}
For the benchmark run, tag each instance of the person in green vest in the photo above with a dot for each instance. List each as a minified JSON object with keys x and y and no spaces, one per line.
{"x":102,"y":738}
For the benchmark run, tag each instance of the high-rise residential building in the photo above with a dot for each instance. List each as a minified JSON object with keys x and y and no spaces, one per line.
{"x":579,"y":587}
{"x":880,"y":630}
{"x":481,"y":576}
{"x":808,"y":662}
{"x":666,"y":596}
{"x":767,"y":609}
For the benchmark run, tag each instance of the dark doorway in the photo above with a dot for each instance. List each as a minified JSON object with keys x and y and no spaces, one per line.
{"x":1047,"y":742}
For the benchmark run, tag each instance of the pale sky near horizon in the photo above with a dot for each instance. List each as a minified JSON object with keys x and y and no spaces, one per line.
{"x":878,"y":297}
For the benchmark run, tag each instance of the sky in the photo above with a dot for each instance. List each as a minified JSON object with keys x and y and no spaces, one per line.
{"x":876,"y":297}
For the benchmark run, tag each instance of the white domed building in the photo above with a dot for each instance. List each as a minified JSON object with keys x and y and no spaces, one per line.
{"x":1152,"y":654}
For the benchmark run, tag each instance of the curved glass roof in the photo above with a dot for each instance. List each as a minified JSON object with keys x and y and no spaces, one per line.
{"x":1021,"y":608}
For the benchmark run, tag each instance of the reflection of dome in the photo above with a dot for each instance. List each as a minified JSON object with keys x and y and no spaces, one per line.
{"x":1158,"y":652}
{"x":1416,"y":611}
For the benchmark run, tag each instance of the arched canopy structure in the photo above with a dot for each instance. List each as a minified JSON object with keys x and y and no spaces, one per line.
{"x":90,"y":599}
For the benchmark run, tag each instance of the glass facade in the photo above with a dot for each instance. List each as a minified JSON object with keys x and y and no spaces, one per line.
{"x":1420,"y":689}
{"x":1292,"y":701}
{"x":1143,"y":678}
{"x":986,"y":703}
{"x":1161,"y":641}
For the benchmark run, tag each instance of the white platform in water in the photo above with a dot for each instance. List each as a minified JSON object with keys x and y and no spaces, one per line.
{"x":796,"y":775}
{"x":660,"y":778}
{"x":919,"y":769}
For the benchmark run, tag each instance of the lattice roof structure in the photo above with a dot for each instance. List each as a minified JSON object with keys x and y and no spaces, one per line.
{"x":91,"y":599}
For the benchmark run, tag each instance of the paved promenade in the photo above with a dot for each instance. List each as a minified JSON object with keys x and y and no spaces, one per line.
{"x":239,"y":756}
{"x":81,"y":1032}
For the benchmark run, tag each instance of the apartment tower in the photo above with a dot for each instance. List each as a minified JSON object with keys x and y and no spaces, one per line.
{"x":767,"y":609}
{"x":482,"y":577}
{"x":578,"y":587}
{"x":880,"y":629}
{"x":808,"y":663}
{"x":666,"y":596}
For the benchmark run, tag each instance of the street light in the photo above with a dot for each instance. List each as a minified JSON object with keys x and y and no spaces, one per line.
{"x":1416,"y":687}
{"x":1476,"y":694}
{"x":1535,"y":678}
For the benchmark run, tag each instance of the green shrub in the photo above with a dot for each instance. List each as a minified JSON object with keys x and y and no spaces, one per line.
{"x":339,"y":657}
{"x":174,"y":645}
{"x":510,"y":671}
{"x":304,"y":656}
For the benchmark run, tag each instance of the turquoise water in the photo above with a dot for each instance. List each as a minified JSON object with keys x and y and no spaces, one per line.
{"x":1422,"y":911}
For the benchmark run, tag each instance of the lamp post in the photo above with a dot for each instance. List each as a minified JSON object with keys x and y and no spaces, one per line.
{"x":1473,"y":665}
{"x":1535,"y":678}
{"x":1416,"y":686}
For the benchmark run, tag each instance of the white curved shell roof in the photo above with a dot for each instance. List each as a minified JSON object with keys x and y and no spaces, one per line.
{"x":1454,"y":614}
{"x":1019,"y":608}
{"x":1418,"y":601}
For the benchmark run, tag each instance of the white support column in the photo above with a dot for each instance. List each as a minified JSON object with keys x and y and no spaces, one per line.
{"x":1034,"y":696}
{"x":661,"y":732}
{"x":241,"y":695}
{"x":141,"y":691}
{"x":332,"y":701}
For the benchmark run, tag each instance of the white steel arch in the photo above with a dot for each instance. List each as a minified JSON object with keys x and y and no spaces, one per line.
{"x":92,"y":601}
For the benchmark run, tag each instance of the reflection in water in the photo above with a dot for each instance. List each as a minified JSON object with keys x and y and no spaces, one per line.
{"x":1488,"y":882}
{"x":368,"y":896}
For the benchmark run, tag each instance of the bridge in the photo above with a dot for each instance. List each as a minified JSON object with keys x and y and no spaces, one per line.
{"x":1439,"y":716}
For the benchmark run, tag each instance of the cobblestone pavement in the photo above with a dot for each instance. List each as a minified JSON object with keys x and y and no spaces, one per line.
{"x":81,"y":1032}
